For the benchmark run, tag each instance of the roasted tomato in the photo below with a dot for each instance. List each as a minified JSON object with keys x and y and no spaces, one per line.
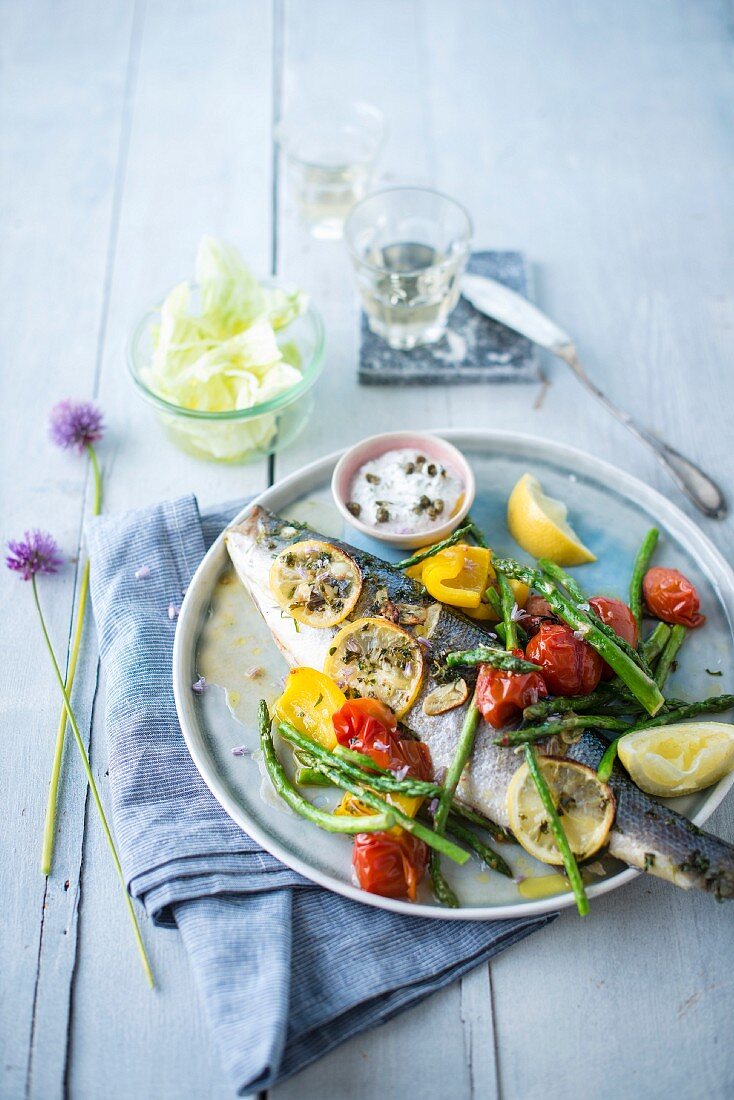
{"x":671,"y":597}
{"x":570,"y":666}
{"x":368,"y":726}
{"x":617,"y":615}
{"x":536,"y":611}
{"x":501,"y":696}
{"x":390,"y":864}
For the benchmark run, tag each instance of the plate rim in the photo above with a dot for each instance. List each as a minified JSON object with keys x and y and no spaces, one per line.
{"x":187,"y":629}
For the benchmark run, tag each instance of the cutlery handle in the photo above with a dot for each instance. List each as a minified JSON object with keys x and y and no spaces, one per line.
{"x":700,"y":489}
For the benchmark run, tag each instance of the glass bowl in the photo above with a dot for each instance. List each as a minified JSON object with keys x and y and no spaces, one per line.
{"x":237,"y":435}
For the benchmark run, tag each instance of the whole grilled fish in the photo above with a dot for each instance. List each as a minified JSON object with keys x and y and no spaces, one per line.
{"x":645,"y":834}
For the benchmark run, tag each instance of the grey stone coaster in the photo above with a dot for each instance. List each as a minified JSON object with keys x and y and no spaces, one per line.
{"x":474,"y":348}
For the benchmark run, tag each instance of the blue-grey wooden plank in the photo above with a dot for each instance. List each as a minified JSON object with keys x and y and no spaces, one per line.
{"x":60,"y":137}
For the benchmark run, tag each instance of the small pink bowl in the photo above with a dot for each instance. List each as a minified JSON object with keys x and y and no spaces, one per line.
{"x":433,"y":447}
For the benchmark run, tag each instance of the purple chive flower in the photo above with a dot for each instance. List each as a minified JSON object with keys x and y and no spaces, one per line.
{"x":173,"y":610}
{"x":75,"y":425}
{"x":143,"y":573}
{"x":241,"y":750}
{"x":199,"y":686}
{"x":433,"y":806}
{"x":36,"y":552}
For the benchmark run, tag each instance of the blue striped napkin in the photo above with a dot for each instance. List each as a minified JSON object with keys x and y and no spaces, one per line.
{"x":287,"y":970}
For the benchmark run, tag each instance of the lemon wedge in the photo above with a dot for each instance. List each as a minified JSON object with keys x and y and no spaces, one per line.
{"x":585,"y":806}
{"x":678,"y":759}
{"x":540,"y":525}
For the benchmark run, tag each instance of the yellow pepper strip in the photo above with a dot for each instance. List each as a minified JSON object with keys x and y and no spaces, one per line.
{"x":458,"y":575}
{"x":308,"y":702}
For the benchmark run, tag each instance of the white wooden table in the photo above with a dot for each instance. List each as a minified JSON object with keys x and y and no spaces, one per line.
{"x":596,"y":137}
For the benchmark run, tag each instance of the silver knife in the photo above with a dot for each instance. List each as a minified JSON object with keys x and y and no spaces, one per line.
{"x":502,"y":304}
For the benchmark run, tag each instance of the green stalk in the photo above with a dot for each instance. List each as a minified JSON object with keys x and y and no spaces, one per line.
{"x":488,"y":856}
{"x":364,"y":794}
{"x":639,"y":568}
{"x":670,"y":652}
{"x":507,"y":601}
{"x":562,"y":703}
{"x":490,"y":655}
{"x":380,"y":780}
{"x":49,"y":828}
{"x":562,"y":578}
{"x":642,"y":686}
{"x":569,"y":860}
{"x":462,"y":752}
{"x":442,"y":891}
{"x":548,"y":729}
{"x":416,"y":559}
{"x":492,"y":597}
{"x":331,"y":823}
{"x":93,"y":787}
{"x":418,"y":787}
{"x":680,"y":714}
{"x":477,"y":534}
{"x":653,"y":646}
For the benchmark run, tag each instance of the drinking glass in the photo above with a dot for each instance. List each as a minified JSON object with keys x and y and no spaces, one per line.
{"x":330,"y":152}
{"x":409,"y":247}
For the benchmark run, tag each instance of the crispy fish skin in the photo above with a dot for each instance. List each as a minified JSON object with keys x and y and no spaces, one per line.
{"x":646,"y":834}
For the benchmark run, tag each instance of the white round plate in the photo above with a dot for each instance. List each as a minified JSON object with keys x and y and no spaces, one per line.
{"x":221,"y":636}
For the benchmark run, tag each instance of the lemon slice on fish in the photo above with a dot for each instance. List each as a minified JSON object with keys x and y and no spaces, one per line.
{"x":540,"y":525}
{"x":585,"y":806}
{"x":681,"y":758}
{"x":315,"y":582}
{"x":377,"y":659}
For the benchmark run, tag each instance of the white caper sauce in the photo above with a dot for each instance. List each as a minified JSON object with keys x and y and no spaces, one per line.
{"x":403,"y":491}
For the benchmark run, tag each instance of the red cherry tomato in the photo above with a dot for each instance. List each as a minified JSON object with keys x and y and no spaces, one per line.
{"x":671,"y":597}
{"x":390,"y":864}
{"x":536,"y":610}
{"x":501,"y":696}
{"x":617,"y":615}
{"x":369,"y":727}
{"x":570,"y":666}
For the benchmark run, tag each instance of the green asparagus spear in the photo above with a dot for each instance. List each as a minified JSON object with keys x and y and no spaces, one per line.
{"x":508,"y":606}
{"x":441,"y":889}
{"x":374,"y":823}
{"x":490,"y":655}
{"x":569,"y":860}
{"x":416,"y":559}
{"x":549,"y":729}
{"x":665,"y":664}
{"x":640,"y":684}
{"x":476,"y":533}
{"x":492,"y":597}
{"x":487,"y":855}
{"x":653,"y":646}
{"x":416,"y":788}
{"x":562,"y":578}
{"x":644,"y":554}
{"x":379,"y":780}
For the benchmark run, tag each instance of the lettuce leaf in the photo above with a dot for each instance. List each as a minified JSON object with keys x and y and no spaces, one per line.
{"x":225,"y":356}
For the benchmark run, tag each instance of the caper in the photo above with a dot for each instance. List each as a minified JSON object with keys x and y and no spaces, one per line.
{"x":382,"y":514}
{"x":353,"y":508}
{"x":372,"y":478}
{"x":431,"y":470}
